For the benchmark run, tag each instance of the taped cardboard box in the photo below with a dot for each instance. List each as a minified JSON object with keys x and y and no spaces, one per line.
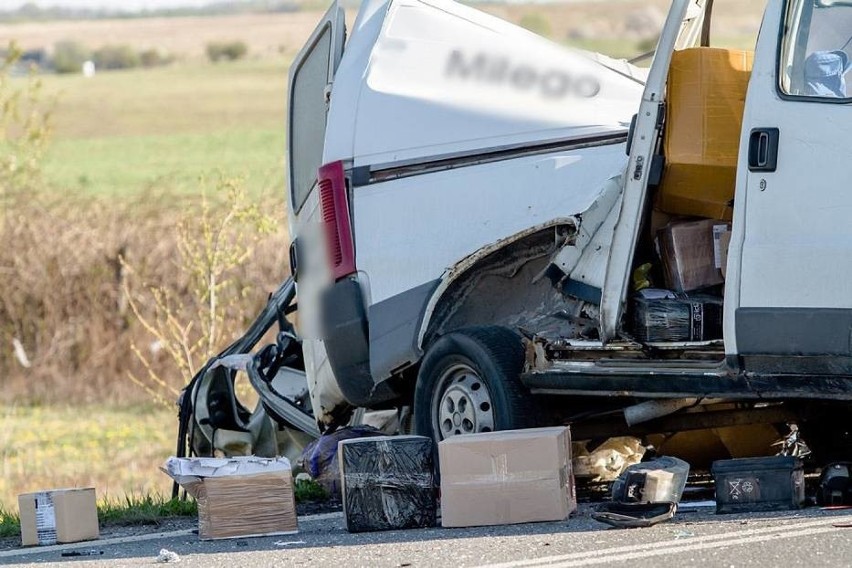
{"x":704,"y":114}
{"x":509,"y":477}
{"x":387,"y":483}
{"x":58,"y":516}
{"x":238,"y":497}
{"x":688,"y":253}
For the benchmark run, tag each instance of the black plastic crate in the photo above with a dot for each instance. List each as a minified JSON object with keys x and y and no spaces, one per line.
{"x":759,"y":484}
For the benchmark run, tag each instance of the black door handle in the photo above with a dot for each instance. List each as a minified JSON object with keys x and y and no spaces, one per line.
{"x":763,"y":150}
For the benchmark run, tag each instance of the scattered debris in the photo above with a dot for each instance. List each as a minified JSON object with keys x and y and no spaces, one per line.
{"x":166,"y":556}
{"x":835,"y":485}
{"x":660,"y":480}
{"x":683,"y":534}
{"x":319,"y":459}
{"x":90,"y":552}
{"x":793,"y":444}
{"x":288,"y":542}
{"x":607,"y":461}
{"x":634,"y":515}
{"x":695,"y":505}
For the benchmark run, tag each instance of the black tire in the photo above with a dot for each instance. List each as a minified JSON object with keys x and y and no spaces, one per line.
{"x":496,"y":357}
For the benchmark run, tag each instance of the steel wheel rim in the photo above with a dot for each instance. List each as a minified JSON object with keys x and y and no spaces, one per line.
{"x":461,"y":404}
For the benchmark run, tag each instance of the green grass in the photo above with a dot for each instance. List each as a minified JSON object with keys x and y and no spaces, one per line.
{"x":10,"y":523}
{"x":126,"y":132}
{"x":143,"y":510}
{"x":309,"y":490}
{"x":115,"y":450}
{"x":121,"y":165}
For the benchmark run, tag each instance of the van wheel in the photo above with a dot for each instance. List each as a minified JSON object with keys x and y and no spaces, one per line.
{"x":469,"y":382}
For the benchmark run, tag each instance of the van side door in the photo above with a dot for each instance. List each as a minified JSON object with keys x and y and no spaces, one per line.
{"x":792,"y":245}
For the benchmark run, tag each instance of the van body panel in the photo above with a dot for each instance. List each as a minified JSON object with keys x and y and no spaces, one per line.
{"x":794,"y":239}
{"x":427,"y":78}
{"x":410,"y":231}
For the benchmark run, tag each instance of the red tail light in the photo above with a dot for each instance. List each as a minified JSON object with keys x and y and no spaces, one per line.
{"x":335,"y":217}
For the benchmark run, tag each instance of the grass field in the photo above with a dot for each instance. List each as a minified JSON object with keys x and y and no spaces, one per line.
{"x":128,"y":131}
{"x":116,"y":450}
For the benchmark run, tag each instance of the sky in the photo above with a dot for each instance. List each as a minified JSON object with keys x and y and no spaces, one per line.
{"x":113,"y":4}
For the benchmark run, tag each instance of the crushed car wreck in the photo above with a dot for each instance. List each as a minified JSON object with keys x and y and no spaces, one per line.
{"x":486,"y":227}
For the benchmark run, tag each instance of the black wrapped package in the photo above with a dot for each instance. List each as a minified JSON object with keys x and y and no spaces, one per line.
{"x":697,"y":318}
{"x":387,"y":483}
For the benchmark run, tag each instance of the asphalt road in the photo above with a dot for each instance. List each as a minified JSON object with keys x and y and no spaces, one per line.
{"x":804,"y":538}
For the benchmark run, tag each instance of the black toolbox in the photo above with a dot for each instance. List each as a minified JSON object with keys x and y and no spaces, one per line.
{"x":759,"y":484}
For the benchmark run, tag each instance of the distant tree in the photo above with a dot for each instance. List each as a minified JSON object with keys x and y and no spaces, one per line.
{"x":155,"y":58}
{"x":69,"y":56}
{"x":226,"y":50}
{"x":116,"y":57}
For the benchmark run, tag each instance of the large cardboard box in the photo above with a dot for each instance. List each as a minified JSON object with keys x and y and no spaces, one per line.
{"x":238,"y":497}
{"x":501,"y":478}
{"x":58,"y":516}
{"x":387,"y":483}
{"x":704,"y":114}
{"x":688,"y":252}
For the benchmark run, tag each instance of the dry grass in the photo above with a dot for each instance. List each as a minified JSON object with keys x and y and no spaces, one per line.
{"x":62,"y":297}
{"x":272,"y":34}
{"x":265,"y":34}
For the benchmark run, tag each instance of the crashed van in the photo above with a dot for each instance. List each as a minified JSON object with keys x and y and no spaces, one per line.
{"x":497,"y":232}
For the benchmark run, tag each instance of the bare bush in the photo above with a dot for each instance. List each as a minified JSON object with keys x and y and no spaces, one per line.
{"x":63,"y":294}
{"x":226,"y":50}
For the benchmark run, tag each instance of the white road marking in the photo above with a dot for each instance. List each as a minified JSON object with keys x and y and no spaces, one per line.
{"x":128,"y":539}
{"x":659,"y":548}
{"x":93,"y":543}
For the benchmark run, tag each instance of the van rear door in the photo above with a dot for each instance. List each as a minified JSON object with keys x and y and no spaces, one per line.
{"x":311,"y":76}
{"x":309,"y":92}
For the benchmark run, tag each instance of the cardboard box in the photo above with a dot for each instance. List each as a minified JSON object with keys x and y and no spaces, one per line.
{"x":238,"y":497}
{"x":704,"y":114}
{"x":509,"y":477}
{"x":721,"y":243}
{"x":688,"y":254}
{"x":387,"y":483}
{"x":58,"y":516}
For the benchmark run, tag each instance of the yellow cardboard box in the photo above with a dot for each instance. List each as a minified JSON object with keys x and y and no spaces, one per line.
{"x":704,"y":115}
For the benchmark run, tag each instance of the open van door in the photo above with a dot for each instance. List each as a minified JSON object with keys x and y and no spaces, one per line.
{"x":309,"y":92}
{"x":682,"y":29}
{"x":792,"y":245}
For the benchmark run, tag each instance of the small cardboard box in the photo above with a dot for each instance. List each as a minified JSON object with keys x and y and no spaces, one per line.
{"x":238,"y":497}
{"x":704,"y":114}
{"x":387,"y":483}
{"x":688,"y":252}
{"x":509,"y":477}
{"x":58,"y":516}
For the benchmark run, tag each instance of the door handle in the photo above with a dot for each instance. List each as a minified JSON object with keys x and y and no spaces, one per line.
{"x":763,"y":150}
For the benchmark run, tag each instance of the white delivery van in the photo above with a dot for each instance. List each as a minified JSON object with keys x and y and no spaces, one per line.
{"x":469,"y":204}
